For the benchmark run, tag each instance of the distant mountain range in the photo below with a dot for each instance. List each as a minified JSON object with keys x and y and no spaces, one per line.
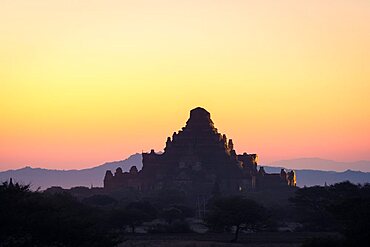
{"x":45,"y":178}
{"x":325,"y":165}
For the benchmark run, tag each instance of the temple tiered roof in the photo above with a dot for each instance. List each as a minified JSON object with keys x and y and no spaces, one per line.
{"x":196,"y":159}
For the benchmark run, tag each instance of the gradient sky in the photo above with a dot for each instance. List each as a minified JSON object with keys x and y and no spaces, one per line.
{"x":84,"y":82}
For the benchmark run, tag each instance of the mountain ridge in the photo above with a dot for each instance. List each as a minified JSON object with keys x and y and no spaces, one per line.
{"x":93,"y":176}
{"x":307,"y":163}
{"x":44,"y":178}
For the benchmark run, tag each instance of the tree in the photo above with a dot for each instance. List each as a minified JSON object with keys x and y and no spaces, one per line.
{"x":136,"y":213}
{"x":342,"y":207}
{"x":31,"y":218}
{"x":237,"y":212}
{"x":176,"y":212}
{"x":171,"y":214}
{"x":313,"y":204}
{"x":99,"y":200}
{"x":353,"y":216}
{"x":311,"y":208}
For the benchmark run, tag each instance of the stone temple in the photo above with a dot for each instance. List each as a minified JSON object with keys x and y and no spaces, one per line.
{"x":198,"y":159}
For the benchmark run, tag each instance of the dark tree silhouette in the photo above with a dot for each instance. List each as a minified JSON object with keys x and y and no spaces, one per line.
{"x":342,"y":207}
{"x":136,"y":213}
{"x":237,"y":212}
{"x":171,"y":214}
{"x":313,"y":205}
{"x":354,"y":217}
{"x":100,"y":200}
{"x":35,"y":219}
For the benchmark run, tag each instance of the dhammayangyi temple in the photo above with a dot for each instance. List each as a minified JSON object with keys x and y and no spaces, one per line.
{"x":198,"y":159}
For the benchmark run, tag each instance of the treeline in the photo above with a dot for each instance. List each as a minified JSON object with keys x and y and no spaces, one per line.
{"x":30,"y":218}
{"x":33,"y":218}
{"x":343,"y":208}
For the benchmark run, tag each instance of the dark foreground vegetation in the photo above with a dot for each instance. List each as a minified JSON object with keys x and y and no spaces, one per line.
{"x":36,"y":219}
{"x":335,"y":215}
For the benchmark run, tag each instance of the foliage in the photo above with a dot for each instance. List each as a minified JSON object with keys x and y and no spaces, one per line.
{"x":237,"y":212}
{"x":176,"y":212}
{"x":171,"y":214}
{"x":136,"y":213}
{"x":133,"y":215}
{"x":342,"y":207}
{"x":178,"y":226}
{"x":354,"y":217}
{"x":313,"y":205}
{"x":36,"y":219}
{"x":167,"y":196}
{"x":99,"y":200}
{"x":311,"y":208}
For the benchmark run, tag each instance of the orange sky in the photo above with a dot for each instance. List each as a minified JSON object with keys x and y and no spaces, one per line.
{"x":84,"y":82}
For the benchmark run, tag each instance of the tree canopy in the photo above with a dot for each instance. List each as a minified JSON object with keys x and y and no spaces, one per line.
{"x":35,"y":219}
{"x":237,"y":212}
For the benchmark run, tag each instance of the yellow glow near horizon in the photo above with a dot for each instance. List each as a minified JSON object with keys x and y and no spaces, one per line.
{"x":83,"y":82}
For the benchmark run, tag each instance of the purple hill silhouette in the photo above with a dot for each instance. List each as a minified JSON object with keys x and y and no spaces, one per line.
{"x":324,"y":164}
{"x":45,"y":178}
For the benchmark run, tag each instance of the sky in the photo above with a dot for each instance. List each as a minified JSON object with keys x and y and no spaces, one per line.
{"x":85,"y":82}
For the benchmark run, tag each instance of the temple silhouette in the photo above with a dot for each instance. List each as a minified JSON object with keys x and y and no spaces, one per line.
{"x":198,"y":159}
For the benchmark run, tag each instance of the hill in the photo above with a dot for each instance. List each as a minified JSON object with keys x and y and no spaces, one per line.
{"x":45,"y":178}
{"x":307,"y":177}
{"x":325,"y":165}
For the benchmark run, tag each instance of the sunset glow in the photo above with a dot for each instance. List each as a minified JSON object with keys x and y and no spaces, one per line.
{"x":85,"y":82}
